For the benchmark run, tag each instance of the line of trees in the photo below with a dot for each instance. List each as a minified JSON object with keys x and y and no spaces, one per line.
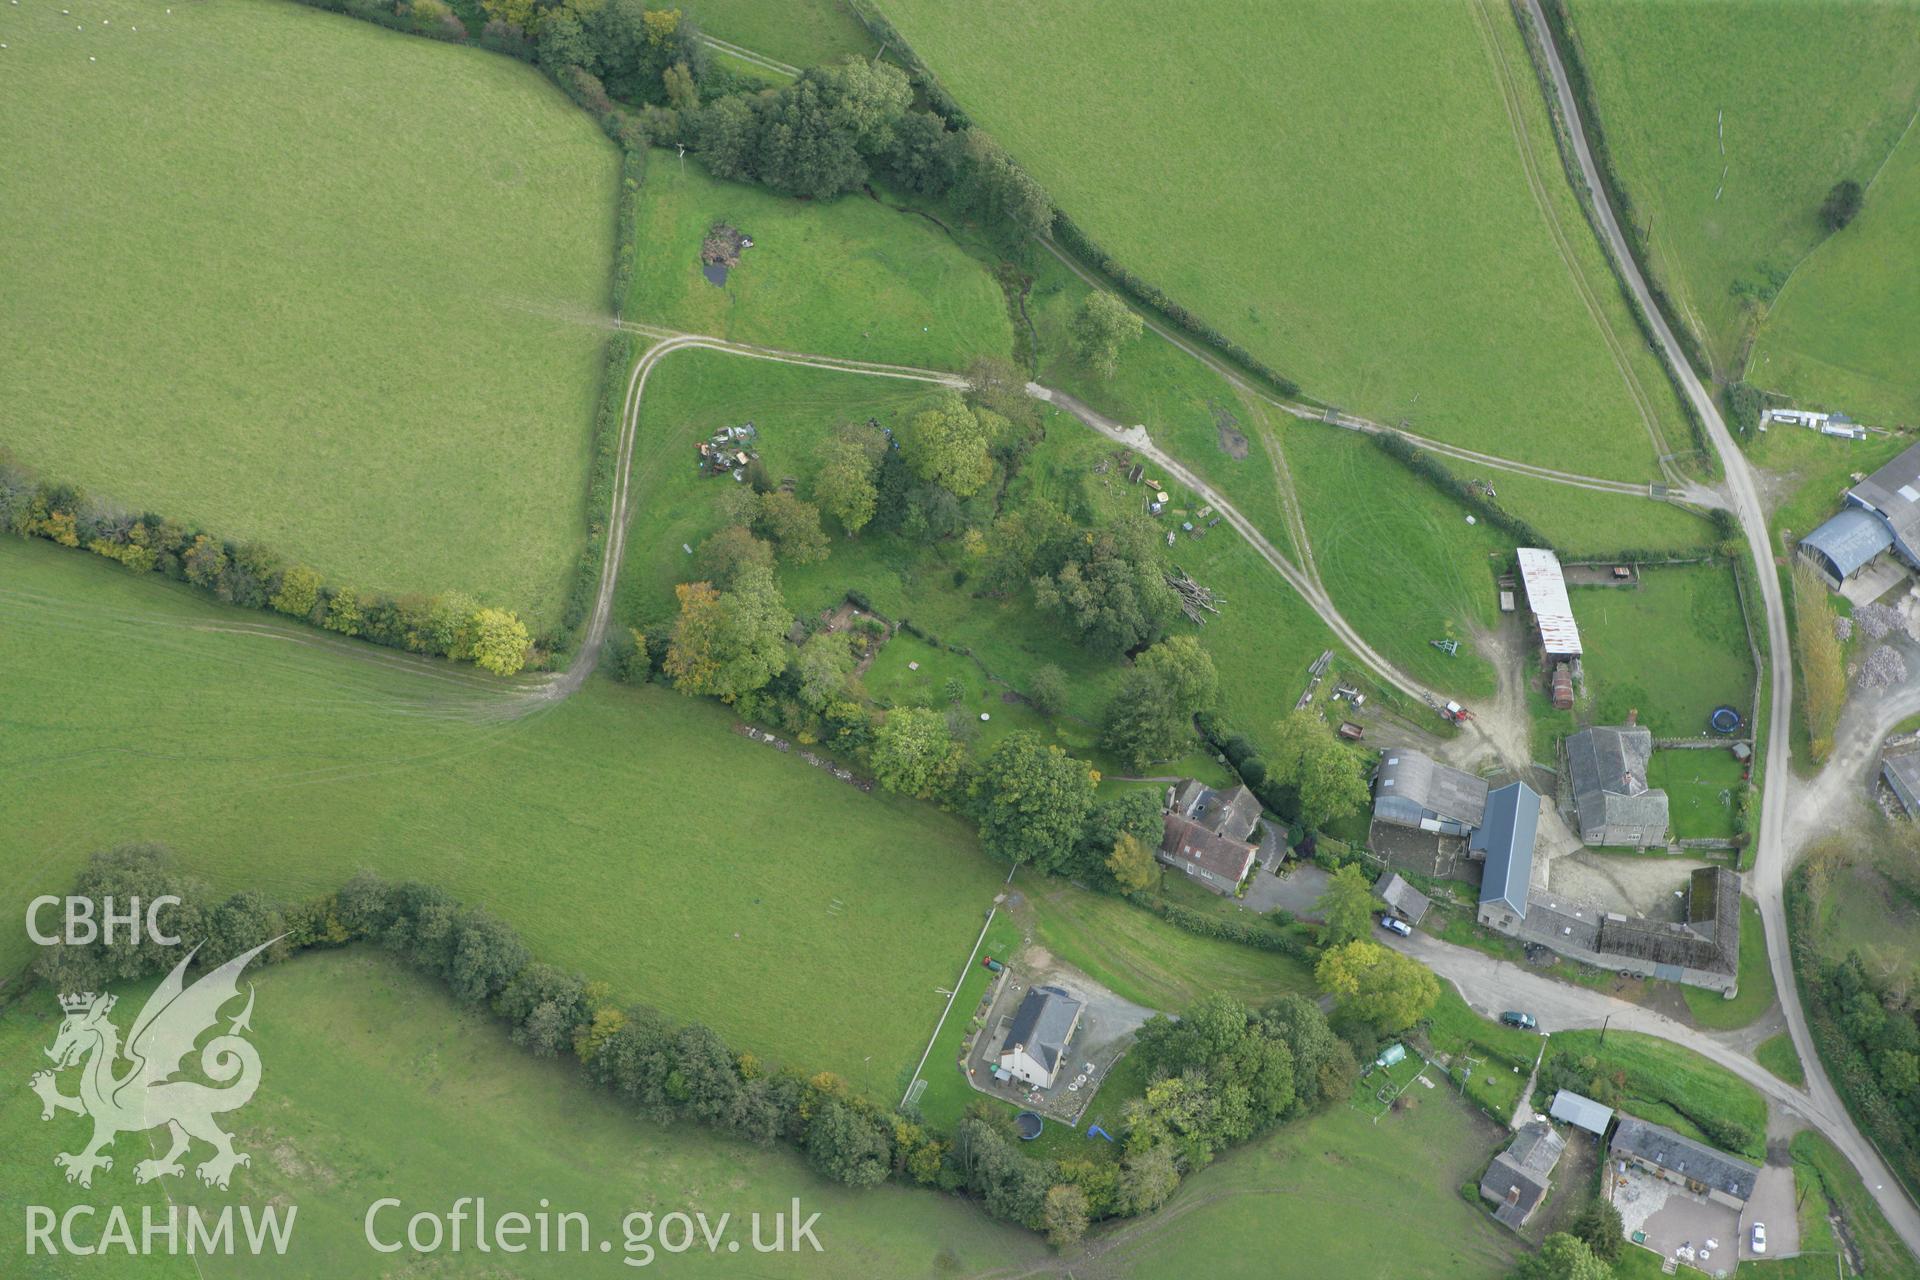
{"x":452,"y":625}
{"x":1220,"y":1075}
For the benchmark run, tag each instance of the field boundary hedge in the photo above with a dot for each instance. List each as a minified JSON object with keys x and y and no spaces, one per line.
{"x":1069,"y":234}
{"x":1573,"y":60}
{"x":252,"y":576}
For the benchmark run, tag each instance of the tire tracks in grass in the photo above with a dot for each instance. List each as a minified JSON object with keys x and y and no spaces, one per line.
{"x":1543,"y":200}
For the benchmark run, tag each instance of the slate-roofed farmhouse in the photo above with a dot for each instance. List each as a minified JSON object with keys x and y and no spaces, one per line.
{"x":1036,"y":1043}
{"x":1207,"y":833}
{"x":1519,"y":1177}
{"x":1607,"y":766}
{"x":1882,"y":513}
{"x":1412,"y":789}
{"x":1658,"y":1150}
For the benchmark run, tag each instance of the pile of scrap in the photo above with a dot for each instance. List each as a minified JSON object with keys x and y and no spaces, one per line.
{"x":728,"y":451}
{"x":1193,"y":597}
{"x":723,"y":245}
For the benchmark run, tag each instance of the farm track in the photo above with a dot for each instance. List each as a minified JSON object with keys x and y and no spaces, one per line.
{"x":1774,"y":851}
{"x":746,"y":55}
{"x":1692,"y":494}
{"x":593,"y":640}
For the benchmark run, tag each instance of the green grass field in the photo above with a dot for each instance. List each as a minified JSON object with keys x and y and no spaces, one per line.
{"x":1702,"y":789}
{"x":1725,"y":156}
{"x":1399,"y":557}
{"x":1812,"y":472}
{"x":1777,"y":1054}
{"x":623,"y":831}
{"x":1322,"y":223}
{"x":1713,"y":1011}
{"x":309,"y":282}
{"x":1881,"y":1250}
{"x":848,"y":277}
{"x":374,"y":1085}
{"x":1674,"y":648}
{"x":1841,"y":333}
{"x":802,"y":32}
{"x":1671,"y":1085}
{"x":1490,"y":1062}
{"x":1588,"y":522}
{"x":1299,"y":1204}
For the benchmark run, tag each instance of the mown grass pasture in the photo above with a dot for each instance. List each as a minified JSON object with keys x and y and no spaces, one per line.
{"x":1319,"y":1174}
{"x":624,"y":831}
{"x":1673,"y":647}
{"x":1702,"y":790}
{"x":851,"y":277}
{"x":1399,"y":557}
{"x":375,"y":1085}
{"x":1724,"y":158}
{"x":1841,"y":332}
{"x":804,"y":33}
{"x":302,"y":280}
{"x":1481,"y":311}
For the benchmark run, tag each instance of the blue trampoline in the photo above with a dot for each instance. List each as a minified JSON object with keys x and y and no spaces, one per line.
{"x":1724,"y":720}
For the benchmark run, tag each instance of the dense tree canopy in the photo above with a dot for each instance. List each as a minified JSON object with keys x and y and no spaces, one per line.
{"x":1377,"y":986}
{"x":1321,"y":771}
{"x":1151,"y":714}
{"x":1036,"y":800}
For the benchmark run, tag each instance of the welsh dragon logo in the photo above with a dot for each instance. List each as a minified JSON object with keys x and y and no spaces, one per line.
{"x":144,"y":1095}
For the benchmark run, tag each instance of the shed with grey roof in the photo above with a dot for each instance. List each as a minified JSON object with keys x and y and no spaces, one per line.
{"x":1882,"y":512}
{"x":1580,"y":1111}
{"x":1506,"y":839}
{"x":1402,"y":898}
{"x":1412,"y":789}
{"x":1658,"y":1150}
{"x":1607,"y":770}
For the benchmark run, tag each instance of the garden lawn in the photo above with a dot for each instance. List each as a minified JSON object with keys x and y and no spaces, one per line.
{"x":1501,"y":1056}
{"x":1841,"y":333}
{"x":374,"y":1084}
{"x":1726,"y":161}
{"x":1398,"y":556}
{"x":1141,"y":958}
{"x":1674,"y":648}
{"x":1716,"y":1013}
{"x":1322,"y":1179}
{"x":1302,"y":194}
{"x":1702,"y":787}
{"x":303,"y":280}
{"x":847,"y":277}
{"x":1673,"y":1086}
{"x":625,"y":832}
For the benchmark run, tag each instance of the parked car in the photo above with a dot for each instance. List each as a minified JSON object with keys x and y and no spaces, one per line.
{"x":1396,"y":925}
{"x":1759,"y":1237}
{"x":1524,"y":1021}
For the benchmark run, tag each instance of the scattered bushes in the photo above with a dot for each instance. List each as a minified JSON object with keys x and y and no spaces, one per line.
{"x":251,"y":576}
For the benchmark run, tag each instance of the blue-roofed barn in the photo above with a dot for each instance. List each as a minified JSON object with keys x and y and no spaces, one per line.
{"x":1505,"y":838}
{"x":1882,"y":512}
{"x":1846,"y":544}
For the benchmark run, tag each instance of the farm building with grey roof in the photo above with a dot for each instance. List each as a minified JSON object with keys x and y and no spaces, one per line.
{"x":1882,"y":513}
{"x":1607,"y":773}
{"x":1037,"y":1041}
{"x":1519,"y":1178}
{"x":1658,"y":1150}
{"x":1412,"y":789}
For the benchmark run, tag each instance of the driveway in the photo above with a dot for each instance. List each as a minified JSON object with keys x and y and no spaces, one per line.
{"x":1298,"y":891}
{"x":1775,"y":1204}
